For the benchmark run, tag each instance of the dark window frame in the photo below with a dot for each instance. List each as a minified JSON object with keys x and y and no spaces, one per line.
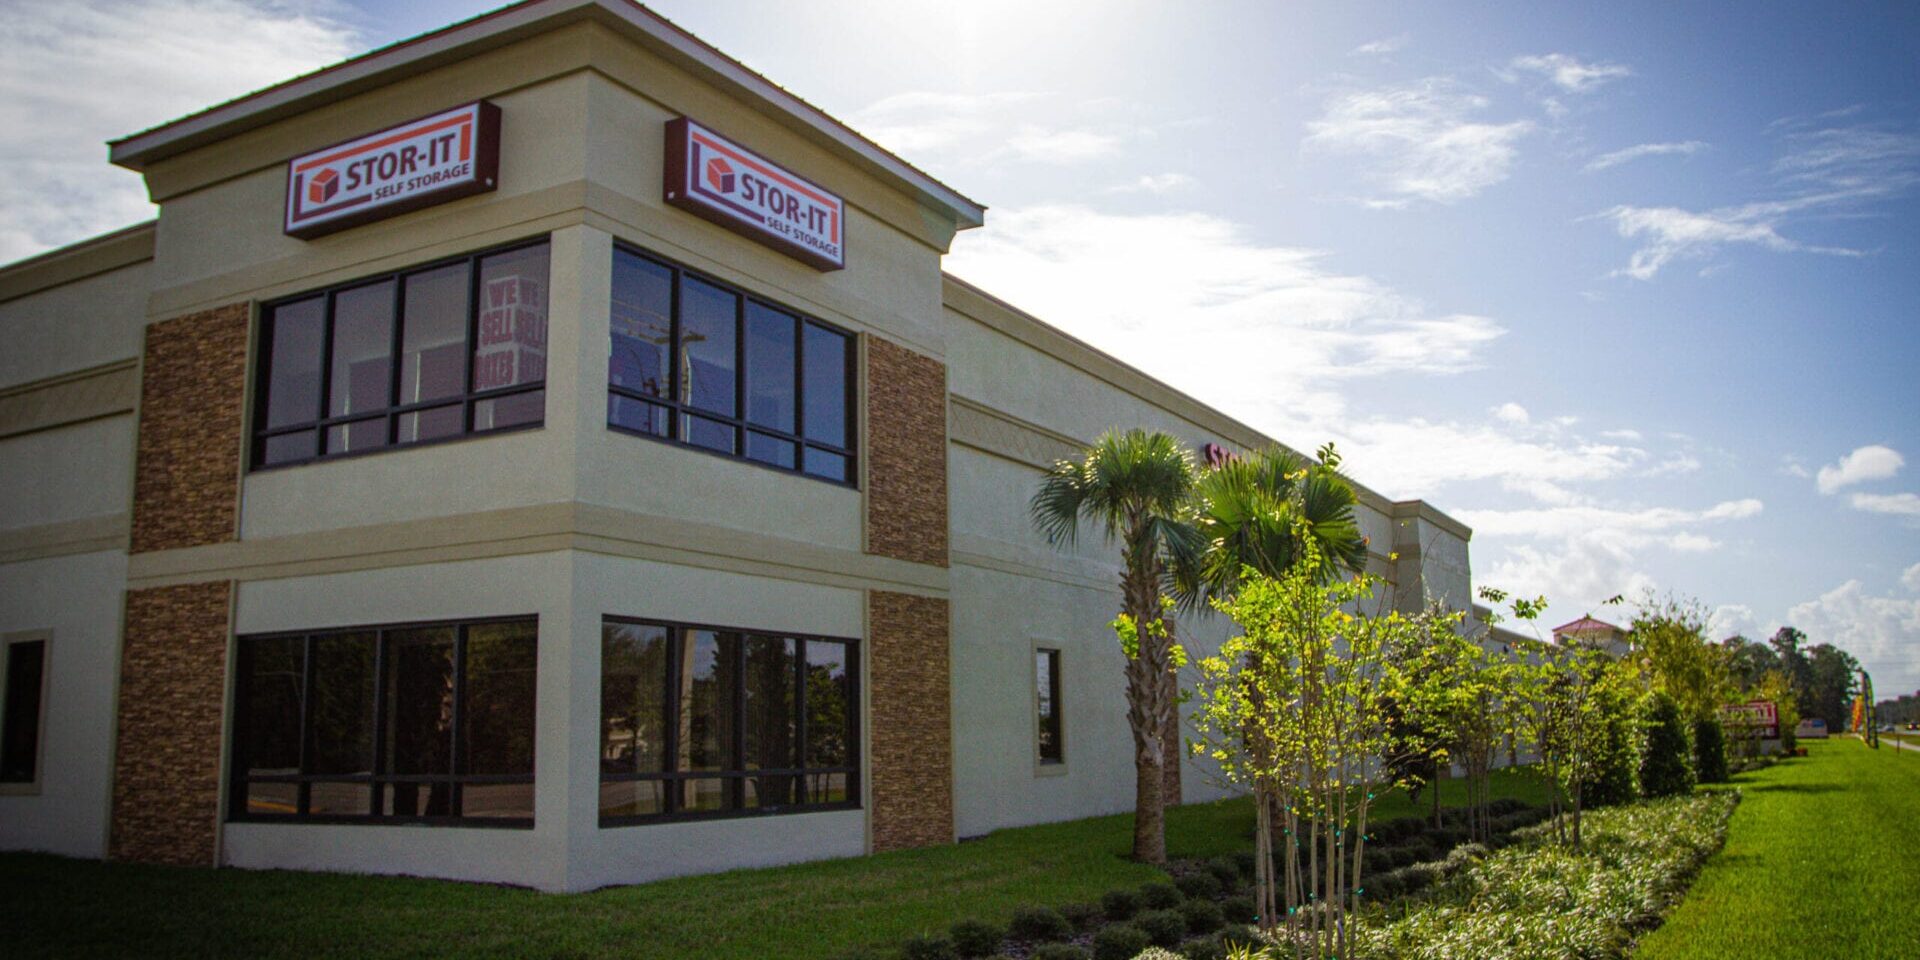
{"x":739,"y":423}
{"x":259,"y":433}
{"x":1057,"y":717}
{"x":8,"y":644}
{"x":238,"y":777}
{"x":735,"y":777}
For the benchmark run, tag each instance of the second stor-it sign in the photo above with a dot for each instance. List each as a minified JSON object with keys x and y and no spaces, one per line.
{"x":719,"y":180}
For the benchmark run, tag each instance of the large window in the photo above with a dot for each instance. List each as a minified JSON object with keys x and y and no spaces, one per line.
{"x":428,"y":723}
{"x":427,"y":354}
{"x":22,"y":688}
{"x":702,"y":364}
{"x":1049,"y":744}
{"x":699,"y":721}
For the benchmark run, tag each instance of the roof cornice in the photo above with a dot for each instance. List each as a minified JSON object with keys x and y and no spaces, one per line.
{"x":519,"y":21}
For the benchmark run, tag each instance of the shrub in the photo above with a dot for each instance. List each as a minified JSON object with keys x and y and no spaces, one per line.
{"x":1203,"y":948}
{"x":1156,"y":953}
{"x":1239,"y":910}
{"x":1039,"y":924}
{"x":1666,"y":767}
{"x":1082,"y":916}
{"x":1227,"y":871}
{"x":1238,"y":936}
{"x":1119,"y":941}
{"x":1709,"y":751}
{"x":1202,"y":916}
{"x":1200,"y":885}
{"x":1160,"y":896}
{"x":1247,"y":862}
{"x":1120,"y":904}
{"x":1165,"y":928}
{"x":976,"y":938}
{"x":1057,"y":951}
{"x":1618,"y":777}
{"x":932,"y":946}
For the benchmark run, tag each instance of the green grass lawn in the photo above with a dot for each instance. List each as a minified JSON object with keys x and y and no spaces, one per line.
{"x":74,"y":908}
{"x":1821,"y":862}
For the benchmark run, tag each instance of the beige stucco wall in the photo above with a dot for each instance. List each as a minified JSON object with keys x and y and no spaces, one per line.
{"x":76,"y":601}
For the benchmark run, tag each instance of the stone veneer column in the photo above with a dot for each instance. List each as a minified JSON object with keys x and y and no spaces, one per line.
{"x":910,"y":725}
{"x":912,"y":777}
{"x":166,"y":769}
{"x":173,"y":674}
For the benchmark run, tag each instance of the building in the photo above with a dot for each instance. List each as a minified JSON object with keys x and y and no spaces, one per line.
{"x":429,"y":490}
{"x":1595,"y":634}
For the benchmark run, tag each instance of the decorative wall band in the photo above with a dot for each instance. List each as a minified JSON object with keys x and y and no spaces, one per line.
{"x":70,"y":398}
{"x":86,"y":535}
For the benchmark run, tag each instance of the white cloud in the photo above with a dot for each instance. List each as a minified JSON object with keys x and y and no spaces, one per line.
{"x":1872,"y":462}
{"x":976,"y":129}
{"x":1882,"y":632}
{"x":1899,"y":504}
{"x":1670,"y":233}
{"x":1383,"y":46}
{"x":1692,"y":543}
{"x":1618,"y":157}
{"x":1633,"y":435}
{"x":1155,"y":183}
{"x":1792,"y":467}
{"x":1733,"y":618}
{"x":1299,"y":327}
{"x":1510,"y":412}
{"x":1419,"y":141}
{"x":1674,"y":465}
{"x":1576,"y":574}
{"x":1633,"y":524}
{"x":79,"y":72}
{"x":1911,"y":578}
{"x":1568,"y":73}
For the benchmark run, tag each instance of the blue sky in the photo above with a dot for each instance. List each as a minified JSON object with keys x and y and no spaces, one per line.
{"x":1630,"y":289}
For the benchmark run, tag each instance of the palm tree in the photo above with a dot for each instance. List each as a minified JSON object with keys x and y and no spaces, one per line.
{"x":1137,"y":487}
{"x":1259,"y":511}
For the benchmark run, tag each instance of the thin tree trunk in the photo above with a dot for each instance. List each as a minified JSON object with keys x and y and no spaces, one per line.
{"x":1149,"y":814}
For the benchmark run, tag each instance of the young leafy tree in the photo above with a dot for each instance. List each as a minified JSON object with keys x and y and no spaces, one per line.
{"x":1670,"y":639}
{"x":1666,"y":766}
{"x":1776,"y":687}
{"x":1136,"y":487}
{"x":1293,"y":707}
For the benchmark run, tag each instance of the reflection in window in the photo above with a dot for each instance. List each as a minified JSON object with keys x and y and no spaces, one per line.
{"x":407,"y":724}
{"x":400,"y":367}
{"x":701,"y":721}
{"x":699,"y":363}
{"x":1046,"y":673}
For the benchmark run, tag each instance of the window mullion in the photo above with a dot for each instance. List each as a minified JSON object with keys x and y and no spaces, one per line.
{"x":459,"y":710}
{"x":381,"y":760}
{"x":394,"y":358}
{"x":673,"y":356}
{"x":799,"y":759}
{"x":305,"y":792}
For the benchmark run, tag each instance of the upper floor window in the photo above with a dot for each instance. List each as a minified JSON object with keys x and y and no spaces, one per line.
{"x":700,"y":363}
{"x":429,"y":353}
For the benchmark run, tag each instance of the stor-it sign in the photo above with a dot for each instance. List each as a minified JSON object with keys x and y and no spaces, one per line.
{"x":721,"y":181}
{"x":417,"y":164}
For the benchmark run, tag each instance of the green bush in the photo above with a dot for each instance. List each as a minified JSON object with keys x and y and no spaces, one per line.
{"x":1119,"y":941}
{"x":1709,"y":751}
{"x":1119,"y":905}
{"x":1618,"y":778}
{"x":1159,"y":895}
{"x":1038,"y":924}
{"x":1203,"y":948}
{"x":1201,"y":885}
{"x":932,"y":946}
{"x":1247,"y":862}
{"x":1538,"y":898}
{"x":1081,"y":916}
{"x":1157,"y":953}
{"x":1202,"y":916}
{"x":1227,"y":871}
{"x":1239,"y":909}
{"x":1238,"y":936}
{"x":1666,"y":764}
{"x":976,"y":938}
{"x":1057,"y":951}
{"x":1166,"y":928}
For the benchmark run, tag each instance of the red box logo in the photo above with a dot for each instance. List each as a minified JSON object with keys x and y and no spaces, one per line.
{"x":323,"y":186}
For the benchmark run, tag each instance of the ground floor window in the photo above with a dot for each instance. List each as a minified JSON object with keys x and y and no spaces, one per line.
{"x":22,"y":686}
{"x":1050,"y":747}
{"x":418,"y":723}
{"x":708,"y":722}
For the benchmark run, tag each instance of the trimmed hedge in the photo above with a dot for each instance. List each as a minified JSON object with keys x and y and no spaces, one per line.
{"x":1160,"y":896}
{"x":1120,"y":941}
{"x":1120,"y":905}
{"x":1038,"y":924}
{"x":976,"y":938}
{"x":1709,"y":751}
{"x":1666,"y":766}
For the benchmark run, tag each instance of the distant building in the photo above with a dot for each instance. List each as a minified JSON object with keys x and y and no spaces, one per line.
{"x":1597,"y":634}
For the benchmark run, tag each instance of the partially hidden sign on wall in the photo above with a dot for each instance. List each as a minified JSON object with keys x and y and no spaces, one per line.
{"x":449,"y":155}
{"x":721,"y":181}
